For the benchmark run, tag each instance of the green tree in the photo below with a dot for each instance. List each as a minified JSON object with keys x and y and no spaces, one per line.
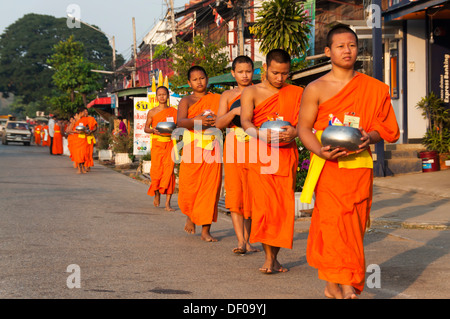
{"x":282,"y":24}
{"x":72,"y":75}
{"x":187,"y":54}
{"x":26,"y":45}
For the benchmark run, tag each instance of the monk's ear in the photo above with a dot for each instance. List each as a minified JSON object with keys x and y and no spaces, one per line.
{"x":327,"y":51}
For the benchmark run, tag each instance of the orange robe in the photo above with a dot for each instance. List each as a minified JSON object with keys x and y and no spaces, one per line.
{"x":37,"y":134}
{"x":273,"y":203}
{"x":57,"y":140}
{"x":235,"y":165}
{"x":200,"y":175}
{"x":79,"y":144}
{"x":92,"y":124}
{"x":344,"y":196}
{"x":161,"y":172}
{"x":44,"y":134}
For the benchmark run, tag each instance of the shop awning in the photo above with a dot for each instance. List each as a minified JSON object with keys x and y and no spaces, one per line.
{"x":100,"y":101}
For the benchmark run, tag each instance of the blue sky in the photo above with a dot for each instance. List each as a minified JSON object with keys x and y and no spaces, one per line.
{"x":113,"y":17}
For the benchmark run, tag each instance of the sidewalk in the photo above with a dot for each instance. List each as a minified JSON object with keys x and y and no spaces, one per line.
{"x":410,"y":201}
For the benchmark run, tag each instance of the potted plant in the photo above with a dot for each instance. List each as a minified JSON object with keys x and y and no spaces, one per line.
{"x":122,"y":146}
{"x":146,"y":163}
{"x":104,"y":139}
{"x":302,"y":209}
{"x":437,"y":136}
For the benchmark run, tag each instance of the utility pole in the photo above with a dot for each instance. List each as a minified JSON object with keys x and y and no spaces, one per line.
{"x":240,"y":25}
{"x":114,"y":62}
{"x":172,"y":18}
{"x":134,"y":53}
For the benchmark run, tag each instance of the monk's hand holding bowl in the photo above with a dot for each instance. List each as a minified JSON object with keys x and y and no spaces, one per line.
{"x":155,"y":131}
{"x":366,"y":140}
{"x":288,"y":135}
{"x":329,"y":153}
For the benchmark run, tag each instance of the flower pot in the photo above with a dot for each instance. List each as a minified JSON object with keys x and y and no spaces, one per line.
{"x":146,"y":165}
{"x":303,"y":209}
{"x":105,"y":155}
{"x":430,"y":161}
{"x":443,"y":161}
{"x":122,"y":159}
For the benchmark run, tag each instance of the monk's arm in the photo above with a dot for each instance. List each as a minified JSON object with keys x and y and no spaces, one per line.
{"x":188,"y":123}
{"x":148,"y":123}
{"x":224,"y":117}
{"x":309,"y":107}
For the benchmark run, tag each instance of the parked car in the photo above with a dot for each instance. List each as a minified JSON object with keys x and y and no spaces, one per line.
{"x":16,"y":131}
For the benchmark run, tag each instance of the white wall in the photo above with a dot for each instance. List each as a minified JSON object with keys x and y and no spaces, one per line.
{"x":416,"y":73}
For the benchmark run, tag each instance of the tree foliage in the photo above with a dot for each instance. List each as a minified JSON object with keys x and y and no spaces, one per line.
{"x":197,"y":52}
{"x":72,"y":75}
{"x":282,"y":24}
{"x":28,"y":43}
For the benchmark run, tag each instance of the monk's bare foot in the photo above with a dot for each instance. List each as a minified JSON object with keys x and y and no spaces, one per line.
{"x":189,"y":227}
{"x":169,"y":209}
{"x":267,"y":268}
{"x":278,"y":267}
{"x":206,"y":235}
{"x":333,"y":291}
{"x":251,"y":249}
{"x":208,"y":238}
{"x":156,"y":200}
{"x":349,"y":292}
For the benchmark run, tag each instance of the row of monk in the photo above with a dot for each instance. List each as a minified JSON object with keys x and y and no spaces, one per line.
{"x":262,"y":203}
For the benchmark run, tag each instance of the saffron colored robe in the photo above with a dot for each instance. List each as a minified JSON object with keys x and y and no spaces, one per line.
{"x":37,"y":134}
{"x":79,"y":145}
{"x":273,"y":203}
{"x":57,"y":140}
{"x":344,"y":196}
{"x":92,"y":124}
{"x":235,"y":165}
{"x":200,"y":174}
{"x":161,"y":172}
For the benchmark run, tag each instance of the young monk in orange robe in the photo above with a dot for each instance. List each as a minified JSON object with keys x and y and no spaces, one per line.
{"x":37,"y":134}
{"x":79,"y":148}
{"x":90,"y":139}
{"x":235,"y":156}
{"x":272,"y":186}
{"x":342,"y":181}
{"x":200,"y":175}
{"x":57,"y":140}
{"x":162,"y":170}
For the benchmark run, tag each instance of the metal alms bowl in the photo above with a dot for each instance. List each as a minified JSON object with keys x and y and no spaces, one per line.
{"x":346,"y":137}
{"x":277,"y":127}
{"x":166,"y":128}
{"x":80,"y":128}
{"x":236,"y":119}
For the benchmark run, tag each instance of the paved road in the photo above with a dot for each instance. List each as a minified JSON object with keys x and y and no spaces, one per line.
{"x":123,"y":247}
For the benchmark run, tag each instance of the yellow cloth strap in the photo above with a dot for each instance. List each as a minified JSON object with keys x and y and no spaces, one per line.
{"x":203,"y":140}
{"x":240,"y":134}
{"x":160,"y":138}
{"x":360,"y":160}
{"x":91,"y":139}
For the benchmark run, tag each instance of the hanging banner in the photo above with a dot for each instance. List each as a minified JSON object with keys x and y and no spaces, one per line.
{"x":141,"y":143}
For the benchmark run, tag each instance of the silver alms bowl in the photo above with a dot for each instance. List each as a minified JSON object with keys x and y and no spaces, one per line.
{"x":346,"y":137}
{"x":80,"y":128}
{"x":166,"y":128}
{"x":275,"y":125}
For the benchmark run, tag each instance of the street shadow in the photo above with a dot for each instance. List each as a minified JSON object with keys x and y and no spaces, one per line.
{"x":403,"y":270}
